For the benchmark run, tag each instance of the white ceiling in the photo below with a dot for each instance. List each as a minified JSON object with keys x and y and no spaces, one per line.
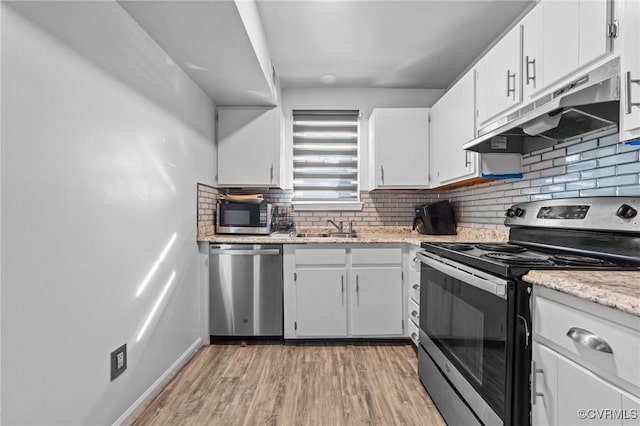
{"x":423,"y":44}
{"x":375,"y":43}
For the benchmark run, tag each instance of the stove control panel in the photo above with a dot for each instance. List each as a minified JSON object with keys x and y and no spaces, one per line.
{"x":619,"y":214}
{"x":563,"y":212}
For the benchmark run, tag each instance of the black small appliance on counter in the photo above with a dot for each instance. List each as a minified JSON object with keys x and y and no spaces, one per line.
{"x":435,"y":218}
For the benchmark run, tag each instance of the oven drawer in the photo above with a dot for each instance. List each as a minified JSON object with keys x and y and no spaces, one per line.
{"x":412,"y":330}
{"x":414,"y":311}
{"x":599,"y":344}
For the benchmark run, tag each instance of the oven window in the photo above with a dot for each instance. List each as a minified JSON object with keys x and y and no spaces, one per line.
{"x":468,"y":325}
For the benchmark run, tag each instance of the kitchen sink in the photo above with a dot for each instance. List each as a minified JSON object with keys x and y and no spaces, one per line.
{"x":326,"y":235}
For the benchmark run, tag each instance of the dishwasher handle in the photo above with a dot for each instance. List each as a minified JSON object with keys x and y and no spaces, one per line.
{"x":232,"y":252}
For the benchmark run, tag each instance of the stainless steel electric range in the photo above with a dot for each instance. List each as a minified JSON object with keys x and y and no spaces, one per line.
{"x":475,"y":322}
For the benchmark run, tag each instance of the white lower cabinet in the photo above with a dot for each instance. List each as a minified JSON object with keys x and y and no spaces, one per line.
{"x":572,"y":383}
{"x":376,"y":301}
{"x":343,"y":292}
{"x":325,"y":288}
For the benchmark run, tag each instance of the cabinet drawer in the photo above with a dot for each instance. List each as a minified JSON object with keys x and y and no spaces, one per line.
{"x":412,"y":330}
{"x":553,"y":321}
{"x":321,"y":256}
{"x":376,"y":256}
{"x":413,"y":311}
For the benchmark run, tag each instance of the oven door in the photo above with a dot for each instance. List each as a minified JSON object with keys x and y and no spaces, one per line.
{"x":464,"y":327}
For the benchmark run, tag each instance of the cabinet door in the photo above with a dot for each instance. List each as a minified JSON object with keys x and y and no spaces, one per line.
{"x":400,"y":139}
{"x":561,"y":38}
{"x":544,"y":386}
{"x":249,"y":146}
{"x":594,"y":40}
{"x":499,"y":78}
{"x":454,"y":125}
{"x":321,"y":304}
{"x":532,"y":52}
{"x":376,"y":301}
{"x":580,"y":389}
{"x":630,"y":91}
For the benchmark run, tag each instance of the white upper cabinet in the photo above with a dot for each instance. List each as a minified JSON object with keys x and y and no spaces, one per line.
{"x":399,"y":148}
{"x":452,"y":125}
{"x":575,"y":33}
{"x":532,"y":52}
{"x":561,"y":36}
{"x":553,"y":41}
{"x":499,"y":78}
{"x":630,"y":66}
{"x":250,"y":146}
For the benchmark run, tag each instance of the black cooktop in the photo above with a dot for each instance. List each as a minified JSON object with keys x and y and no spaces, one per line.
{"x":513,"y":260}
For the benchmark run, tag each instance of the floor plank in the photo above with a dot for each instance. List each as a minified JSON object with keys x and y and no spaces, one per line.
{"x":295,"y":384}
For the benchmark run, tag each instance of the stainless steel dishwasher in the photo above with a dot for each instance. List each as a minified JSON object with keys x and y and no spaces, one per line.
{"x":245,"y":295}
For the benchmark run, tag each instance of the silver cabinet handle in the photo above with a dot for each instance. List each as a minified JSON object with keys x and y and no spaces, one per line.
{"x":382,"y":173}
{"x":532,"y":76}
{"x":467,"y":158}
{"x":509,"y":89}
{"x":416,"y":286}
{"x":589,"y":340}
{"x":414,"y":336}
{"x":630,"y":104}
{"x":534,"y":372}
{"x":357,"y":284}
{"x":415,"y":314}
{"x":271,"y":174}
{"x":342,"y":283}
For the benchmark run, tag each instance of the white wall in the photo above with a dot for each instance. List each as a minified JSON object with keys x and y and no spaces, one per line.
{"x":362,"y":99}
{"x":103,"y":140}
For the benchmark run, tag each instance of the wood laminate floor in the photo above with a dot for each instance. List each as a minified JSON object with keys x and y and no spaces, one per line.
{"x":295,"y":384}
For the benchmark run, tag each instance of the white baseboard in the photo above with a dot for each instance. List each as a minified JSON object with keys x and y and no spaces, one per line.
{"x":158,"y":384}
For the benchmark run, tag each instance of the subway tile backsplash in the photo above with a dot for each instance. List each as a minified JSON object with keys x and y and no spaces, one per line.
{"x":594,"y":166}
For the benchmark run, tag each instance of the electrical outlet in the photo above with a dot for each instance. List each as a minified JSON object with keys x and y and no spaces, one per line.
{"x":118,"y":361}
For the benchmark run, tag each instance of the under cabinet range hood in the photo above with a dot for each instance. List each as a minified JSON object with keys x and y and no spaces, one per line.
{"x":587,"y":105}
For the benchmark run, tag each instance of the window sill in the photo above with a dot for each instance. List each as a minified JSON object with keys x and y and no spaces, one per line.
{"x":344,"y":207}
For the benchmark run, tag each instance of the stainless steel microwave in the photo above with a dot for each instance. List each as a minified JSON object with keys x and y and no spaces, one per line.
{"x":244,"y":218}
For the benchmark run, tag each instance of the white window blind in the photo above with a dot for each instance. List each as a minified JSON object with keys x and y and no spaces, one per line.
{"x":325,"y":156}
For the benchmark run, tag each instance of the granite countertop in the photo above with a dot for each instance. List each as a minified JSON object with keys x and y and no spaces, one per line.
{"x":615,"y":289}
{"x":386,"y":234}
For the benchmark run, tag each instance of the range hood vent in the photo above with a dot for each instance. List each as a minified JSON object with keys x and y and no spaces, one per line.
{"x":587,"y":105}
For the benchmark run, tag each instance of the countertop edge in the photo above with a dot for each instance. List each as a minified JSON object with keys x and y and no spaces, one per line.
{"x":612,"y":291}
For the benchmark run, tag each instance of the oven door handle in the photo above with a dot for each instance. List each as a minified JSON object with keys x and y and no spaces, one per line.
{"x":471,"y":276}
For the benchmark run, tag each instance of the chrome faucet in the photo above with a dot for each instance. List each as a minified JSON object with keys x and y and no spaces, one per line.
{"x":351,"y":222}
{"x":338,"y":227}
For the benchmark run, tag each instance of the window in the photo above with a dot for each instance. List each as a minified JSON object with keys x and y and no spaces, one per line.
{"x":325,"y":158}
